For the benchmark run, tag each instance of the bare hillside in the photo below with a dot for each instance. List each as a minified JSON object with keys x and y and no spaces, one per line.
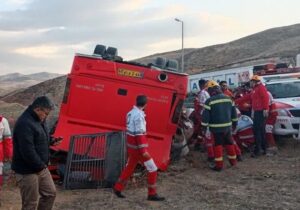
{"x":17,"y":81}
{"x":13,"y":104}
{"x":278,"y":44}
{"x":52,"y":88}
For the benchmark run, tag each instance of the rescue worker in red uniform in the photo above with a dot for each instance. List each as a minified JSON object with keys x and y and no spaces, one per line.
{"x":243,"y":99}
{"x":220,"y":116}
{"x":237,"y":148}
{"x":243,"y":134}
{"x":137,"y":149}
{"x":244,"y":104}
{"x":270,"y":122}
{"x":199,"y":102}
{"x":6,"y":146}
{"x":260,"y":111}
{"x":225,"y":90}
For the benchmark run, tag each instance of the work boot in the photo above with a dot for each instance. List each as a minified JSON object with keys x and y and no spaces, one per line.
{"x":197,"y":147}
{"x":118,"y":194}
{"x":271,"y":151}
{"x":211,"y":159}
{"x":214,"y":168}
{"x":253,"y":155}
{"x":256,"y":153}
{"x":239,"y":158}
{"x":155,"y":198}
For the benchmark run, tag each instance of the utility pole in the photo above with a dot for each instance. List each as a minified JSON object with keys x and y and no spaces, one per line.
{"x":182,"y":46}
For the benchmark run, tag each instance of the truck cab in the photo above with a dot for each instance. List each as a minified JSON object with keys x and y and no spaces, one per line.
{"x":101,"y":89}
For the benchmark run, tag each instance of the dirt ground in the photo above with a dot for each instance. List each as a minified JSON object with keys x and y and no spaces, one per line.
{"x":256,"y":183}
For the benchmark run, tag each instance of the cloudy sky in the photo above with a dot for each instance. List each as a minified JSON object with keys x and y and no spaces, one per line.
{"x":43,"y":35}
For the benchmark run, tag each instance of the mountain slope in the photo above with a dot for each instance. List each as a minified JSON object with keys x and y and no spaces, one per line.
{"x":43,"y":76}
{"x":277,"y":44}
{"x":52,"y":88}
{"x":14,"y":77}
{"x":16,"y":81}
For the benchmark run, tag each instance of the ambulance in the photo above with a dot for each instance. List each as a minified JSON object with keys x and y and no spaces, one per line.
{"x":284,"y":85}
{"x":102,"y":88}
{"x":281,"y":81}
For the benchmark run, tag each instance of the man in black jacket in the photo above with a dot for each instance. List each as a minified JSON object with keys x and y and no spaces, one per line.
{"x":219,"y":116}
{"x":31,"y":142}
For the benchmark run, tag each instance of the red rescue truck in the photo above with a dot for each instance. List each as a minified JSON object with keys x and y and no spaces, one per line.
{"x":101,"y":89}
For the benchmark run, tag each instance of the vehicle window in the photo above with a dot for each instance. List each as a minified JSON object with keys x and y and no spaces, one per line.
{"x":177,"y":112}
{"x":189,"y":101}
{"x":284,"y":90}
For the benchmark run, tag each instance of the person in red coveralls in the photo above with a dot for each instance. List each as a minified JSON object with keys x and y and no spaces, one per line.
{"x":225,"y":90}
{"x":137,"y":148}
{"x":270,"y":122}
{"x":244,"y":104}
{"x":260,"y":100}
{"x":199,"y":102}
{"x":243,"y":99}
{"x":6,"y":146}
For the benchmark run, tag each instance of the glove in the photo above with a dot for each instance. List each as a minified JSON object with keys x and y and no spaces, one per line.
{"x":266,"y":113}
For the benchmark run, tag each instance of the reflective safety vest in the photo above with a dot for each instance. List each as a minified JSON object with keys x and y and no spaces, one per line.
{"x":136,"y":131}
{"x":219,"y":113}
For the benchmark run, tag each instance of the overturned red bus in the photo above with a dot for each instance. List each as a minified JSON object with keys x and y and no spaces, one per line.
{"x":102,"y":88}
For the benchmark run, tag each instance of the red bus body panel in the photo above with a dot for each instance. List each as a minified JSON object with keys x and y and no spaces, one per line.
{"x":99,"y":93}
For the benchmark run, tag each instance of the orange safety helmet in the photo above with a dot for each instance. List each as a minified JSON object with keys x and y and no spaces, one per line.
{"x":211,"y":84}
{"x":256,"y":78}
{"x":213,"y":88}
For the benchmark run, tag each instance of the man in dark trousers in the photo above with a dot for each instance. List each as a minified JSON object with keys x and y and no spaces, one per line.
{"x":260,"y":101}
{"x":31,"y":142}
{"x":220,"y":116}
{"x":137,"y":147}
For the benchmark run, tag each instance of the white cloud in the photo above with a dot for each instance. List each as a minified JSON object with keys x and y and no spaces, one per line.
{"x":43,"y":51}
{"x":17,"y":2}
{"x":131,"y":5}
{"x":7,"y":5}
{"x":40,"y":34}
